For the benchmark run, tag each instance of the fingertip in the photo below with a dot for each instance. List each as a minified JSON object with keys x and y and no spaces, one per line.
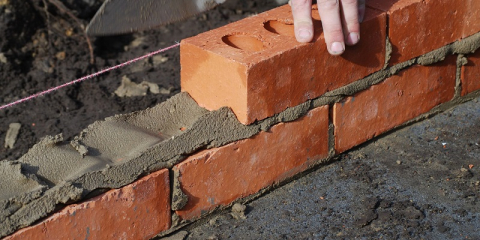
{"x":304,"y":35}
{"x":302,"y":20}
{"x":336,"y":48}
{"x":352,"y":38}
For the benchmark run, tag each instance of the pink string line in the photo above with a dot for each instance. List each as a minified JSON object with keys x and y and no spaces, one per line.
{"x":88,"y":76}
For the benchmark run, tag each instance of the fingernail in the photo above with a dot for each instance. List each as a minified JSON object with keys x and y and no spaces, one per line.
{"x":353,"y":38}
{"x":304,"y":34}
{"x":337,"y":48}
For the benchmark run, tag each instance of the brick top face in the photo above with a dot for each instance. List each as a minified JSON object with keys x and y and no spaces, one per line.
{"x":261,"y":44}
{"x":262,"y":36}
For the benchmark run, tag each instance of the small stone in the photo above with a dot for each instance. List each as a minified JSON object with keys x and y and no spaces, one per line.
{"x":12,"y":135}
{"x":359,"y":155}
{"x":69,"y":32}
{"x":214,"y":222}
{"x":238,"y":211}
{"x":60,"y":55}
{"x":165,"y":91}
{"x":137,"y":42}
{"x":152,"y":87}
{"x":399,"y":162}
{"x":3,"y":59}
{"x":128,"y":88}
{"x":157,"y":60}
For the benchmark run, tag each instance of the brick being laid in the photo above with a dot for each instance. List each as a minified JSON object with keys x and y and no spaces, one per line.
{"x":257,"y":68}
{"x":217,"y":177}
{"x":398,"y":99}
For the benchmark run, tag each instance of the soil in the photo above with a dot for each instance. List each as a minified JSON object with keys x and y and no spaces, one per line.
{"x":43,"y":46}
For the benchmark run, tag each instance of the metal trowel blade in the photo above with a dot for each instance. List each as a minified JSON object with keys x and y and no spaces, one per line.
{"x":126,"y":16}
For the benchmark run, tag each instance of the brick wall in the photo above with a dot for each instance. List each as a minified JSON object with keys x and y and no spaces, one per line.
{"x":299,"y":107}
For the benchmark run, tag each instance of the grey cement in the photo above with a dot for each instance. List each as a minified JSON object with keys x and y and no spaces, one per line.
{"x":115,"y":152}
{"x":414,"y":183}
{"x":14,"y":196}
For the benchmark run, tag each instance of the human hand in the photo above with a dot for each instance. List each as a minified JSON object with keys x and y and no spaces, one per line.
{"x":340,"y":21}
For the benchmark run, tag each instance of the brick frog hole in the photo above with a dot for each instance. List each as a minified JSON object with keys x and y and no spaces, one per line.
{"x":243,"y":42}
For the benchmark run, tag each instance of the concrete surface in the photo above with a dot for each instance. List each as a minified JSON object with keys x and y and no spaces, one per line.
{"x":419,"y":182}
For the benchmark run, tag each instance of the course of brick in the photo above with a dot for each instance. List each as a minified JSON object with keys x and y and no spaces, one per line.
{"x":117,"y":214}
{"x":258,"y":108}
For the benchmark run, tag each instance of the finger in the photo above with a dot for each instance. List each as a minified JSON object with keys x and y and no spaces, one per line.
{"x":329,"y":11}
{"x":302,"y":19}
{"x":361,"y":10}
{"x":351,"y":25}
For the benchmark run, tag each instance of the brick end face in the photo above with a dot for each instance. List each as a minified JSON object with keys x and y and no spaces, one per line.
{"x":219,"y":176}
{"x":223,"y":81}
{"x":400,"y":98}
{"x":140,"y":210}
{"x":471,"y":74}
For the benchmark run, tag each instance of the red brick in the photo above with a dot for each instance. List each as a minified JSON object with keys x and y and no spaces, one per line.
{"x":471,"y":74}
{"x":402,"y":97}
{"x":417,"y":27}
{"x":216,"y":177}
{"x":137,"y":211}
{"x":471,"y":21}
{"x":269,"y":70}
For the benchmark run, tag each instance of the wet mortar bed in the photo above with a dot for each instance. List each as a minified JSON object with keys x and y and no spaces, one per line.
{"x":419,"y":182}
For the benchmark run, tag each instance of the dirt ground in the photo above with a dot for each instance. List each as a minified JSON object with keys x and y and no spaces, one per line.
{"x":43,"y":46}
